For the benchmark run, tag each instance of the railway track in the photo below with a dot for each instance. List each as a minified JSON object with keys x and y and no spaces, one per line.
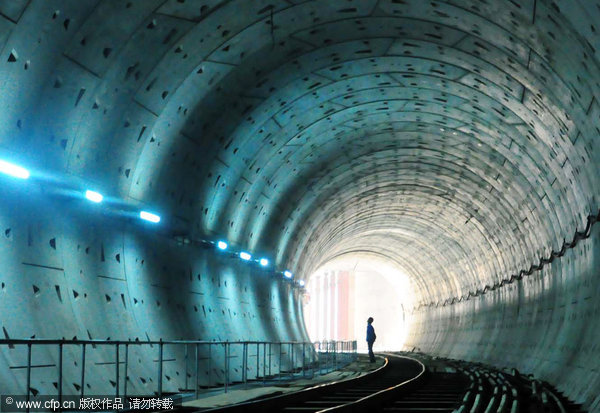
{"x":397,"y":371}
{"x":418,"y":383}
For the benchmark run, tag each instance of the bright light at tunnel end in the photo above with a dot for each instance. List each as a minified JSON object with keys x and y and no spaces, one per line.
{"x":13,"y":170}
{"x":148,"y":216}
{"x":94,"y":196}
{"x":245,"y":256}
{"x":222,"y":245}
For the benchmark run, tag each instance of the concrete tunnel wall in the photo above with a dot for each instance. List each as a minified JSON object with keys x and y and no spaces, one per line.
{"x":83,"y":277}
{"x":455,"y":138}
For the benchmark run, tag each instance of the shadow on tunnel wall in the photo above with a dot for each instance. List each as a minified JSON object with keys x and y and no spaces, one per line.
{"x":545,"y":324}
{"x":63,"y":277}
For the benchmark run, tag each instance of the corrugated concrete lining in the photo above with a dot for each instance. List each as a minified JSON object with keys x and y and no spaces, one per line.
{"x":455,"y":138}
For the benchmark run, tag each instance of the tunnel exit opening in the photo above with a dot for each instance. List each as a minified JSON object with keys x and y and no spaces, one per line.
{"x":343,"y":293}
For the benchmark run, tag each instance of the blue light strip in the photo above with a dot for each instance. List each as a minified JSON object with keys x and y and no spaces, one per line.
{"x":150,"y":217}
{"x":246,"y":256}
{"x":17,"y":171}
{"x":94,"y":196}
{"x":13,"y":170}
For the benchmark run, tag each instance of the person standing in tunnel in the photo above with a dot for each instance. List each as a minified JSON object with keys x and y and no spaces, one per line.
{"x":371,"y":339}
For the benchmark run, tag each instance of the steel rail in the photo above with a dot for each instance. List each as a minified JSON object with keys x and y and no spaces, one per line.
{"x":375,"y":401}
{"x":274,"y":403}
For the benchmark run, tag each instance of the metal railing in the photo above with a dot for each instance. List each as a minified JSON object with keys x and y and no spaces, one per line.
{"x":274,"y":361}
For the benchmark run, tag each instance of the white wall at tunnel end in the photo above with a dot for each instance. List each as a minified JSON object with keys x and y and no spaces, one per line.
{"x":345,"y":292}
{"x":375,"y":297}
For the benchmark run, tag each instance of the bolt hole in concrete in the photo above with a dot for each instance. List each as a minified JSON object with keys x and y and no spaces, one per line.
{"x":347,"y":290}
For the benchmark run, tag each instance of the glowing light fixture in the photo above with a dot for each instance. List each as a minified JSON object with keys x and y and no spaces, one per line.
{"x":222,"y":245}
{"x":245,"y":256}
{"x":264,"y":262}
{"x":301,"y":283}
{"x":148,"y":216}
{"x":94,"y":196}
{"x":287,"y":274}
{"x":13,"y":170}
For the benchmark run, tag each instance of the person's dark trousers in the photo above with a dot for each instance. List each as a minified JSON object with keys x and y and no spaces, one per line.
{"x":371,"y":355}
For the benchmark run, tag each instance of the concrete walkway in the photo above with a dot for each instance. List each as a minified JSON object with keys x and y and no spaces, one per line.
{"x":239,"y":393}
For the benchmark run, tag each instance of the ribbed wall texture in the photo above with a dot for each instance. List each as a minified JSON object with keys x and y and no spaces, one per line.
{"x":456,"y":138}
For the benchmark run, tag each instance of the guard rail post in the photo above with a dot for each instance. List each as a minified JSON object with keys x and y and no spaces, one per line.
{"x":29,"y":370}
{"x":82,"y":390}
{"x":160,"y":367}
{"x":126,"y":368}
{"x":197,"y":370}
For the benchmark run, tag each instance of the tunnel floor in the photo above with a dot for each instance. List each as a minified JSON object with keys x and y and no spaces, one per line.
{"x":444,"y":385}
{"x":252,"y":391}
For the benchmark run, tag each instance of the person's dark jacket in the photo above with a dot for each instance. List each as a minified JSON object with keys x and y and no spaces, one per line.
{"x":371,"y":333}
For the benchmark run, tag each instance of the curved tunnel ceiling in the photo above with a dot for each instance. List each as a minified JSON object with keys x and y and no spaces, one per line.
{"x":453,"y":137}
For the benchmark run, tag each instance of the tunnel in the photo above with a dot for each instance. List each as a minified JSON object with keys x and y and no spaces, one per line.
{"x":453,"y":139}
